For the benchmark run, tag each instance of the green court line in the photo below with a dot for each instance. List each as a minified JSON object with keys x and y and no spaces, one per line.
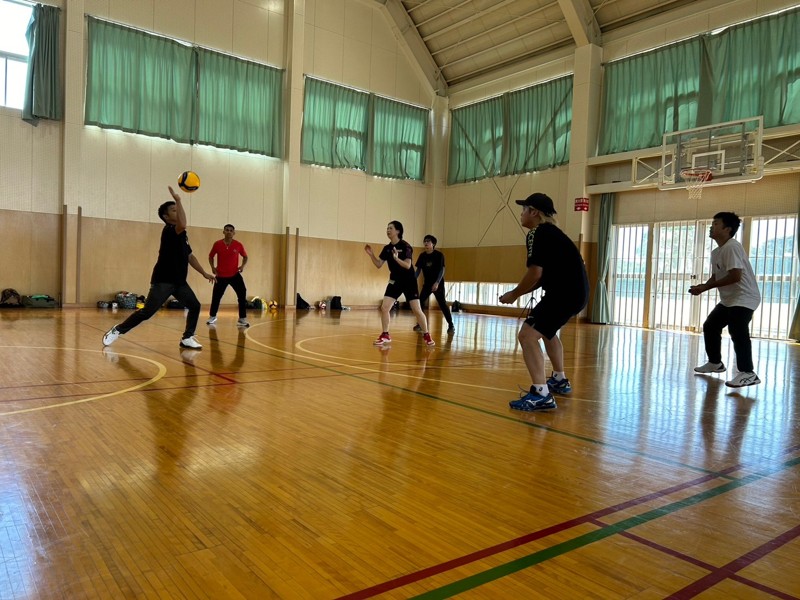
{"x":479,"y":579}
{"x":293,"y":357}
{"x":568,"y":434}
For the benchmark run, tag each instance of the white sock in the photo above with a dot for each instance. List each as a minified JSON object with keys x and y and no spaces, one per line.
{"x":540,"y":388}
{"x":559,"y":375}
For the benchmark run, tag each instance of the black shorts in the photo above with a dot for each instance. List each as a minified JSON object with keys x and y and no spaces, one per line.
{"x":551,"y":313}
{"x":409,"y":289}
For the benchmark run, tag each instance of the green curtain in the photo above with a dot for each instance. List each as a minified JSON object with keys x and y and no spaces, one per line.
{"x":398,"y":140}
{"x":140,"y":82}
{"x":537,"y":127}
{"x":476,"y":141}
{"x":601,"y":306}
{"x":743,"y":71}
{"x":753,"y":69}
{"x":649,"y":94}
{"x":794,"y":328}
{"x":239,"y":104}
{"x":335,"y":125}
{"x":43,"y":99}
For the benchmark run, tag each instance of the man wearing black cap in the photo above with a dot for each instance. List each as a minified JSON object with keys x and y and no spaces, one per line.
{"x":555,"y":265}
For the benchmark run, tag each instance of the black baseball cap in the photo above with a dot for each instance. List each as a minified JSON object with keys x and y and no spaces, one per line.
{"x":541,"y":202}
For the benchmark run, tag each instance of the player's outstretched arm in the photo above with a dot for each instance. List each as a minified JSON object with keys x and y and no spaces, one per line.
{"x":180,"y":226}
{"x":199,"y":268}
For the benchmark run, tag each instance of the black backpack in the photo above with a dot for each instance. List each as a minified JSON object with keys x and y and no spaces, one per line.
{"x":10,"y":297}
{"x":336,"y":303}
{"x":301,"y":304}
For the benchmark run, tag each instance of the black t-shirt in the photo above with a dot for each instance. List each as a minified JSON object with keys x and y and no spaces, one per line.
{"x":563,"y":270}
{"x":396,"y":272}
{"x":172,"y":265}
{"x":431,"y":265}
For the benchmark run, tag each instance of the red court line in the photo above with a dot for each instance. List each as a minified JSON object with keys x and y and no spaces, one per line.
{"x":699,"y":563}
{"x":729,"y":570}
{"x":404,"y":580}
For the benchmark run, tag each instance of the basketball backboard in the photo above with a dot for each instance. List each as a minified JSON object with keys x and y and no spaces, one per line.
{"x":730,"y":151}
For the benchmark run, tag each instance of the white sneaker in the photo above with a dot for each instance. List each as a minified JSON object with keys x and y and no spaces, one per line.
{"x":743,"y":379}
{"x":111,"y":336}
{"x":242,"y":323}
{"x":190,"y":342}
{"x":211,"y":320}
{"x":710,"y":367}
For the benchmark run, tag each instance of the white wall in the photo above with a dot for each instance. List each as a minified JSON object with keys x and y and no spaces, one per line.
{"x":352,"y":42}
{"x":124,"y":176}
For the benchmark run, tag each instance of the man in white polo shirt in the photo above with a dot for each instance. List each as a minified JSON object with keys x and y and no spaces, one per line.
{"x":732,"y":274}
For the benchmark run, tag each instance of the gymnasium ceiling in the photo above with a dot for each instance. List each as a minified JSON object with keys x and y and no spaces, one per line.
{"x":462,"y":43}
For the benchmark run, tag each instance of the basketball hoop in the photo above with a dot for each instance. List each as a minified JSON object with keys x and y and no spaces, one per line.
{"x":695,"y":180}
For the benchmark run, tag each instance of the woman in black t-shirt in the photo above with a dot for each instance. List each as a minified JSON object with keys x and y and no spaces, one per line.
{"x":431,"y":264}
{"x":398,"y":253}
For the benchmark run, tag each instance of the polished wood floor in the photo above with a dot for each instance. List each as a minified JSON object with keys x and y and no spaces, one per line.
{"x":296,"y":460}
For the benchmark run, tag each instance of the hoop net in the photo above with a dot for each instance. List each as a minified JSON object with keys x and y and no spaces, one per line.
{"x":695,"y":180}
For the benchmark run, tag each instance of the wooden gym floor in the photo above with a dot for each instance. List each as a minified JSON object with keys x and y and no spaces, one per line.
{"x":296,"y":460}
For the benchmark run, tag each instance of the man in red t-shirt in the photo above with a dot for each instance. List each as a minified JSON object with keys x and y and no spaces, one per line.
{"x":228,"y":272}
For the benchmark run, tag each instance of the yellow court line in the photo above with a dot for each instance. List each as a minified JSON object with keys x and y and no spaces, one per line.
{"x":162,"y":370}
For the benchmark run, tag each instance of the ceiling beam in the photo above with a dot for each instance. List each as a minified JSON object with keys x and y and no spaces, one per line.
{"x":468,"y":19}
{"x":581,"y":22}
{"x":415,"y":45}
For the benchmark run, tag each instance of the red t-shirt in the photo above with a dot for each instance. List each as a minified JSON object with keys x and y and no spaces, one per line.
{"x":227,"y":257}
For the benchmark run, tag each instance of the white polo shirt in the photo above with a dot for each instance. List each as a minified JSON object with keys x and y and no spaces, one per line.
{"x":745,"y":292}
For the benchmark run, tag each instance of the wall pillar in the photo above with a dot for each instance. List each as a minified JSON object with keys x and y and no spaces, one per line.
{"x":295,"y":42}
{"x":71,"y":147}
{"x":586,"y":99}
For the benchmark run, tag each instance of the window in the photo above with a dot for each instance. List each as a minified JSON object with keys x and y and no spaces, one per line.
{"x":488,"y":294}
{"x":14,"y":18}
{"x":149,"y":84}
{"x":519,"y":132}
{"x":344,"y":128}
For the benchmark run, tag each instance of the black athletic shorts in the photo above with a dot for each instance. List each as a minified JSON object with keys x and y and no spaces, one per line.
{"x":551,"y":313}
{"x":408,"y":289}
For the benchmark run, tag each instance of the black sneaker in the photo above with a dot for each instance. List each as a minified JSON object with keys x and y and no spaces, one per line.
{"x":559,"y":387}
{"x":417,"y":327}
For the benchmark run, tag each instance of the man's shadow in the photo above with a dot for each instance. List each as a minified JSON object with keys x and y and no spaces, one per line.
{"x":225,"y":364}
{"x":166,"y":410}
{"x":724,"y":444}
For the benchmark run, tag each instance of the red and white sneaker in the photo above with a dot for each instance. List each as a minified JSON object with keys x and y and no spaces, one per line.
{"x":383,"y":339}
{"x":428,"y":340}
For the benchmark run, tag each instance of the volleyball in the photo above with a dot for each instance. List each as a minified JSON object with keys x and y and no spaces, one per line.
{"x":273,"y":305}
{"x":189,"y":181}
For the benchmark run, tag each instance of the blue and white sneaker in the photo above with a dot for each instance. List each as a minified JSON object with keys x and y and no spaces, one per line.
{"x":743,"y":380}
{"x":559,"y":387}
{"x":533,"y":401}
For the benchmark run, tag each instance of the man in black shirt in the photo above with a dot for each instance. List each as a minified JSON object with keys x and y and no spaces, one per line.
{"x":169,"y":276}
{"x":555,"y":265}
{"x":431,"y":263}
